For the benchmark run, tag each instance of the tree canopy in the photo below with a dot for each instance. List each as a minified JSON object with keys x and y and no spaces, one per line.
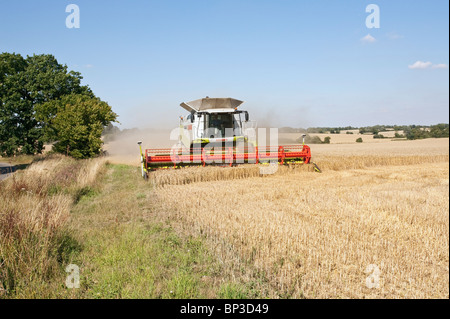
{"x":75,"y":122}
{"x":434,"y":131}
{"x":33,"y":91}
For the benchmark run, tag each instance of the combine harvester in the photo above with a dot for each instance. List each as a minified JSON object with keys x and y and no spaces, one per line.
{"x":216,"y":132}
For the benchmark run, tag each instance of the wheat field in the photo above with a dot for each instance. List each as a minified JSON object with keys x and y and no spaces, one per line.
{"x":367,"y":227}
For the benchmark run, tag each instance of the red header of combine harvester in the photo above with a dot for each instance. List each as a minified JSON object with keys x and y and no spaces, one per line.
{"x":228,"y":156}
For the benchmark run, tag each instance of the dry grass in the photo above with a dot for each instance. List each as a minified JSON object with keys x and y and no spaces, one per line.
{"x":34,"y":209}
{"x":313,"y":235}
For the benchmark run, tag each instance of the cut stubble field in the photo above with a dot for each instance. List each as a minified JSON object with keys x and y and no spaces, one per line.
{"x":368,"y":227}
{"x":314,"y":235}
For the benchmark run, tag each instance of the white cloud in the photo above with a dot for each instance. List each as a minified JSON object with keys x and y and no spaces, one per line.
{"x":426,"y":65}
{"x":88,"y":66}
{"x":420,"y":65}
{"x":440,"y":66}
{"x":368,"y":39}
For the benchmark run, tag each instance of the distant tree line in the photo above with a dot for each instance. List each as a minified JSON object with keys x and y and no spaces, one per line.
{"x":41,"y":101}
{"x":411,"y":132}
{"x":314,"y":140}
{"x":330,"y":130}
{"x":291,"y":130}
{"x":434,"y":131}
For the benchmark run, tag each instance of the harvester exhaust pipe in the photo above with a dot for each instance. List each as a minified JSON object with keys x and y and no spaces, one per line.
{"x":304,"y":136}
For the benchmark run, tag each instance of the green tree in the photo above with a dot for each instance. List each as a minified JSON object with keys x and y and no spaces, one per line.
{"x":24,"y":84}
{"x":17,"y":126}
{"x":359,"y":140}
{"x":76,"y":122}
{"x":439,"y":130}
{"x":416,"y":133}
{"x":327,"y":140}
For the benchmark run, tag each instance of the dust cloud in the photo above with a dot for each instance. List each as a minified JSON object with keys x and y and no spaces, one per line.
{"x":123,"y":148}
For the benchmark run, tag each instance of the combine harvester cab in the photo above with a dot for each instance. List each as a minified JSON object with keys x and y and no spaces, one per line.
{"x":214,"y":121}
{"x":216,"y":132}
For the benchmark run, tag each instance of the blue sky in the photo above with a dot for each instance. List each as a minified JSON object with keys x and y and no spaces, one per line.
{"x":294,"y":63}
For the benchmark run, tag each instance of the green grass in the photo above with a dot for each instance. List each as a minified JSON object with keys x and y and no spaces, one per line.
{"x":232,"y":291}
{"x":126,"y":247}
{"x":127,"y":251}
{"x":139,"y":262}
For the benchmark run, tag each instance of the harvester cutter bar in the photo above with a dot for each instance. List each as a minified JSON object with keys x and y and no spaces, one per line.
{"x":227,"y":155}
